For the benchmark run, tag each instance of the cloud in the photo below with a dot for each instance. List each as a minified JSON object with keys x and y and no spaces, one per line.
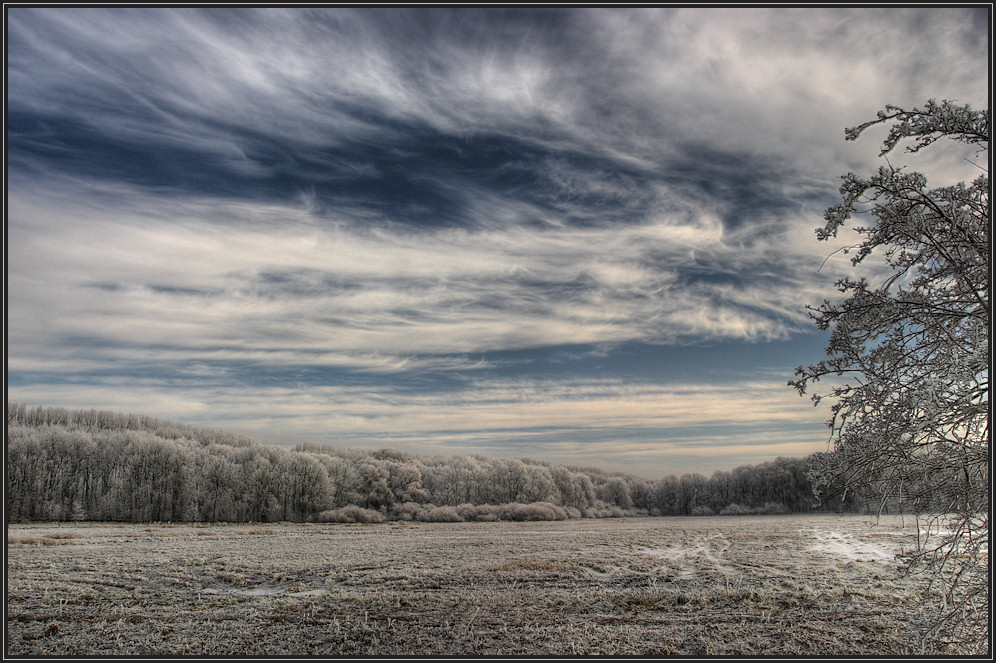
{"x":334,"y":210}
{"x":279,"y":97}
{"x":114,"y":274}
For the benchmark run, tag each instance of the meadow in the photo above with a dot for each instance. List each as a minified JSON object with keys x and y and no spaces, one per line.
{"x":750,"y":585}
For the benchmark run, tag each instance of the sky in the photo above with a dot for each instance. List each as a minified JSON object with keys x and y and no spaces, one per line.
{"x":578,"y":235}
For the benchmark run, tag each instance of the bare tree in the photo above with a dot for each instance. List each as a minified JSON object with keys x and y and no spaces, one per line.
{"x":910,"y":356}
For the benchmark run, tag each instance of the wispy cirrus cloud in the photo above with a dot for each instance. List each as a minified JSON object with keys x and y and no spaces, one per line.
{"x":382,"y":291}
{"x":273,"y":99}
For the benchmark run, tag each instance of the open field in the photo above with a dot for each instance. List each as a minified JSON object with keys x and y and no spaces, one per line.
{"x":823,"y":585}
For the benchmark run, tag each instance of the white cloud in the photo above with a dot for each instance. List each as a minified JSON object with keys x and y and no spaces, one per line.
{"x":786,"y":81}
{"x":117,"y":275}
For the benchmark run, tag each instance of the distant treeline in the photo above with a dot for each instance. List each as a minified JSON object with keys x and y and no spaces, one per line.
{"x":90,"y":465}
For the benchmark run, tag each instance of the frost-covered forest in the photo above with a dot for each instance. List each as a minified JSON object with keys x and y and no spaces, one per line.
{"x":92,"y":465}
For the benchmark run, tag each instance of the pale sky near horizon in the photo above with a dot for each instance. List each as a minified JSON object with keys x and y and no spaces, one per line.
{"x":579,"y":235}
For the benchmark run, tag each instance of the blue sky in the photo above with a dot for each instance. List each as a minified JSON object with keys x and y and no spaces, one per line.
{"x":578,"y":235}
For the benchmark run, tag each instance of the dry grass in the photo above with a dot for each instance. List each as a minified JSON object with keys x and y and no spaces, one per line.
{"x":653,"y":586}
{"x":533,"y":565}
{"x":47,"y":539}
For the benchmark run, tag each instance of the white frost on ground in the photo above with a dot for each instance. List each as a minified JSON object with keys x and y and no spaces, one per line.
{"x":690,"y":555}
{"x":846,"y":546}
{"x":622,"y":587}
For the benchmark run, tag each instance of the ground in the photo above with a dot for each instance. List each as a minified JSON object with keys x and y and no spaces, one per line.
{"x":773,"y":585}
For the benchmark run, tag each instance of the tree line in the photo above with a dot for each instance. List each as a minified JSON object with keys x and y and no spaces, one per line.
{"x":91,"y":465}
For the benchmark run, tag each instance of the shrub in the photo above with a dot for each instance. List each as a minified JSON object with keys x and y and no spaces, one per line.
{"x":480,"y":512}
{"x":440,"y":514}
{"x":605,"y":512}
{"x":350,"y":514}
{"x":533,"y":511}
{"x":407,"y":510}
